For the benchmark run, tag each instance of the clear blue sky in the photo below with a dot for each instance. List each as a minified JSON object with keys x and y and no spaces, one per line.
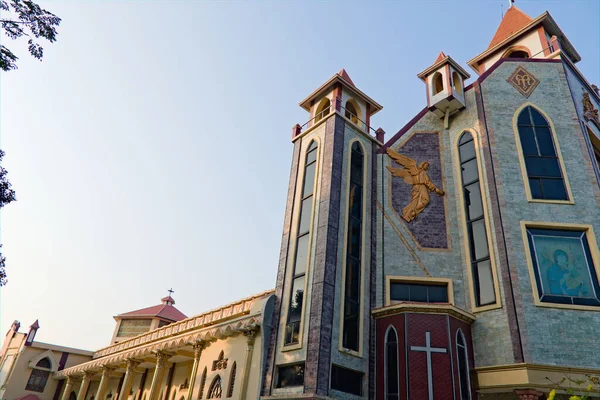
{"x":151,"y":147}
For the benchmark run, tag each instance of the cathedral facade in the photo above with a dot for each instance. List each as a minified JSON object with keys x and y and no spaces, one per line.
{"x":453,"y":260}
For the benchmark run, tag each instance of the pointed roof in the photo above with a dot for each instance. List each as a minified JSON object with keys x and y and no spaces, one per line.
{"x":35,"y":325}
{"x":440,"y":57}
{"x":513,"y":21}
{"x":346,"y":77}
{"x":163,"y":311}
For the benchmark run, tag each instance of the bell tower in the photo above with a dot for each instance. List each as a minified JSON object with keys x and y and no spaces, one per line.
{"x":445,"y":81}
{"x":319,"y":343}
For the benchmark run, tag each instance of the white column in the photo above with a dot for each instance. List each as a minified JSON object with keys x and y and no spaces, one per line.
{"x":159,"y":372}
{"x":106,"y":371}
{"x":250,"y":336}
{"x":68,"y":387}
{"x":198,"y":347}
{"x":85,"y":384}
{"x":128,"y":379}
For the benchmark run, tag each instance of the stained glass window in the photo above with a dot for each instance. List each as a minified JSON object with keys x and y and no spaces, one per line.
{"x":37,"y":380}
{"x":215,"y":389}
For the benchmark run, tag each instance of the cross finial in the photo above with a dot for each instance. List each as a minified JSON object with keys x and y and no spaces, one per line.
{"x":171,"y":291}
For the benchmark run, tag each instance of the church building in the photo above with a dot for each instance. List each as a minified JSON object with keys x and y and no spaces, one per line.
{"x":456,"y":259}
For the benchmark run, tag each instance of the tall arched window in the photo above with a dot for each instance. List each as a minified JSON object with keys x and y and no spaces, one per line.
{"x":215,"y":388}
{"x":352,"y":295}
{"x":546,"y":180}
{"x":294,"y":316}
{"x":323,"y":109}
{"x":39,"y":376}
{"x":231,"y":380}
{"x":481,"y":267}
{"x":438,"y":83}
{"x":72,"y":396}
{"x":392,"y":386}
{"x":202,"y":384}
{"x":463,"y":366}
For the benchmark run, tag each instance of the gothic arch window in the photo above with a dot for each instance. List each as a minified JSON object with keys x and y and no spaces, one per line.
{"x":215,"y":388}
{"x":392,"y":383}
{"x":202,"y":384}
{"x":517,"y":52}
{"x":352,"y":284}
{"x":39,"y":376}
{"x":437,"y":83}
{"x":463,"y":366}
{"x":72,"y":396}
{"x":174,"y":394}
{"x":479,"y":250}
{"x":544,"y":172}
{"x":456,"y":82}
{"x":294,"y":315}
{"x":323,"y":109}
{"x":231,"y":380}
{"x":352,"y":111}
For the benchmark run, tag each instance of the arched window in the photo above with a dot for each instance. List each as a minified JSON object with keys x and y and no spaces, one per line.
{"x":463,"y":366}
{"x":516,"y":53}
{"x":44,"y":363}
{"x":202,"y":384}
{"x":392,"y":385}
{"x":294,"y":316}
{"x":456,"y":82}
{"x":73,"y":396}
{"x":174,"y":394}
{"x":438,"y":83}
{"x":39,"y":376}
{"x":481,"y":267}
{"x":323,"y":109}
{"x":352,"y":295}
{"x":231,"y":380}
{"x":215,"y":389}
{"x":546,"y":180}
{"x":351,"y":111}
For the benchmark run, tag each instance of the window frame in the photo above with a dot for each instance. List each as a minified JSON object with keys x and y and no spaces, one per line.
{"x":41,"y":373}
{"x":350,"y":370}
{"x":594,"y":255}
{"x":521,"y":156}
{"x":459,"y":333}
{"x":276,"y":385}
{"x":488,"y":229}
{"x":296,"y":235}
{"x":389,"y":279}
{"x":347,"y":218}
{"x":386,"y":394}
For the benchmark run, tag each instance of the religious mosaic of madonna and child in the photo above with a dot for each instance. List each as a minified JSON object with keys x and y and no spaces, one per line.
{"x":417,"y":193}
{"x":563,"y":267}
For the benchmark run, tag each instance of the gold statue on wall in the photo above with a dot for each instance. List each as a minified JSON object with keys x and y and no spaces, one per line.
{"x":417,"y":177}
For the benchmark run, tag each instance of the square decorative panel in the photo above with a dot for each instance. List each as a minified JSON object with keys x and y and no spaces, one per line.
{"x":523,"y":81}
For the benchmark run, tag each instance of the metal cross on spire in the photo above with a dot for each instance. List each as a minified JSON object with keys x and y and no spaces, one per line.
{"x":171,"y":291}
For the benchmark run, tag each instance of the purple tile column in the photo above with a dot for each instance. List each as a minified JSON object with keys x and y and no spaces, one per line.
{"x":512,"y":300}
{"x":283,"y":259}
{"x":318,"y":358}
{"x":373,"y":276}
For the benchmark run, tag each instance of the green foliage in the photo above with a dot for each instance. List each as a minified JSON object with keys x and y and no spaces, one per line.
{"x":7,"y":195}
{"x":25,"y":18}
{"x":591,"y":382}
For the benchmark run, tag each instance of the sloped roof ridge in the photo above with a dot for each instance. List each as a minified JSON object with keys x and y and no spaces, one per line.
{"x":513,"y":20}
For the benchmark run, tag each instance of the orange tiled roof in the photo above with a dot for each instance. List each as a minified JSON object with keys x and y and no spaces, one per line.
{"x":513,"y":20}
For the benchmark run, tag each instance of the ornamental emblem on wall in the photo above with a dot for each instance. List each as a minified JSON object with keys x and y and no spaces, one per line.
{"x":523,"y":81}
{"x":590,"y":113}
{"x":417,"y":177}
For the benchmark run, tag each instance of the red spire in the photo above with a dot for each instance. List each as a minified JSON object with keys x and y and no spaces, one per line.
{"x":513,"y":20}
{"x":35,"y":325}
{"x":440,"y":57}
{"x":346,"y":77}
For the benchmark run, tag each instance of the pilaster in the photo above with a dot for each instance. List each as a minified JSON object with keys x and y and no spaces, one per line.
{"x":250,"y":336}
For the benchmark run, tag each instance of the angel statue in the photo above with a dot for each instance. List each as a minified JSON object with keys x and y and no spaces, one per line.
{"x":417,"y":177}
